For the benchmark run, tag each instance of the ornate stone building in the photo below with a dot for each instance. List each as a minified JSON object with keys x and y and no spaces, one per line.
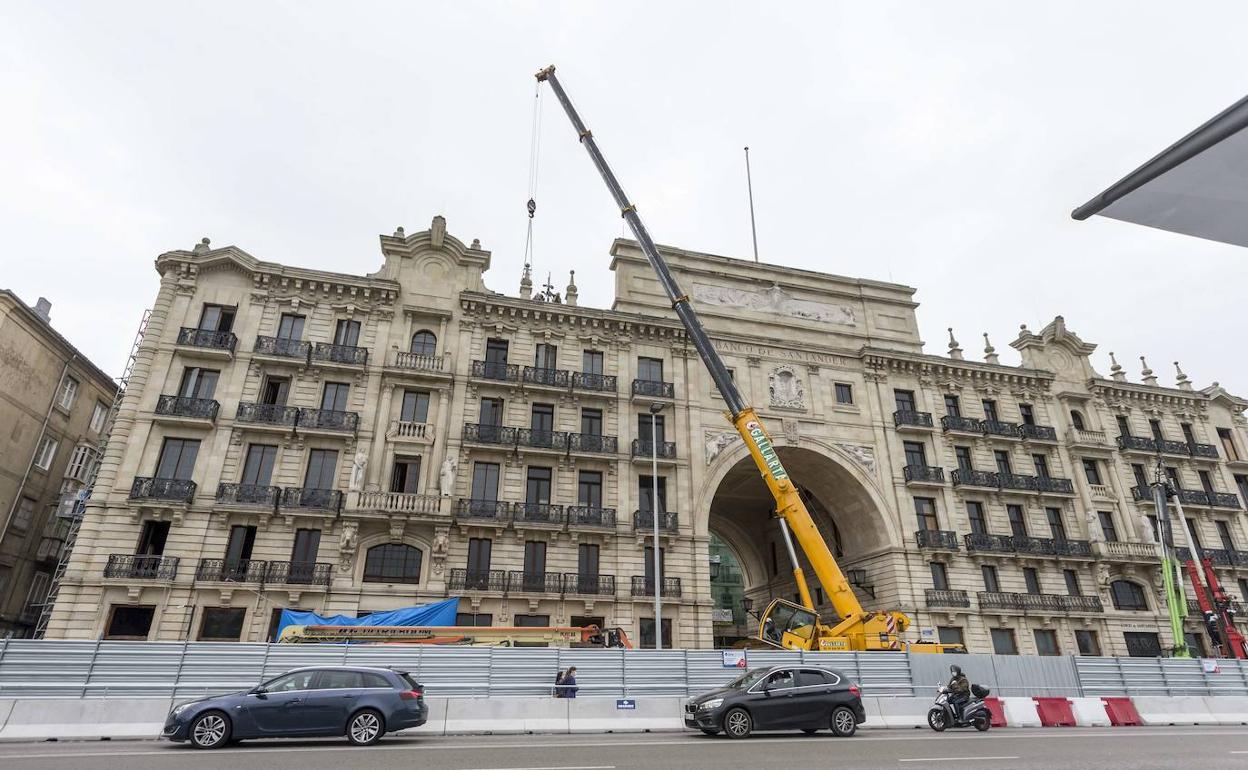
{"x":298,"y":438}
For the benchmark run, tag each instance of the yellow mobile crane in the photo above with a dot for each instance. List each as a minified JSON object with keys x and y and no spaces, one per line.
{"x":784,"y":624}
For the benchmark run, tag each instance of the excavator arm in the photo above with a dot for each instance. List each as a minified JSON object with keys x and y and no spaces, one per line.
{"x":795,"y":626}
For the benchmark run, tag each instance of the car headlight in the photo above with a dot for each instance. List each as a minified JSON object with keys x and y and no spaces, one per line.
{"x":713,"y":703}
{"x":179,"y":709}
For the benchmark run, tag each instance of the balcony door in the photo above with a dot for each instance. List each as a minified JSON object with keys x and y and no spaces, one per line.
{"x":347,"y":333}
{"x":238,"y":549}
{"x":485,"y":481}
{"x":321,"y":466}
{"x":307,"y":545}
{"x":644,"y":421}
{"x":198,"y":382}
{"x":177,"y":458}
{"x":535,"y":565}
{"x":415,"y":406}
{"x":334,"y":397}
{"x":496,"y":352}
{"x":258,"y":466}
{"x":546,"y":356}
{"x":650,"y":369}
{"x":645,"y":493}
{"x":152,"y":538}
{"x":1018,"y":521}
{"x":589,"y":489}
{"x":275,"y":391}
{"x":217,"y":318}
{"x":915,"y":456}
{"x":904,"y":400}
{"x":290,"y":327}
{"x":479,"y":549}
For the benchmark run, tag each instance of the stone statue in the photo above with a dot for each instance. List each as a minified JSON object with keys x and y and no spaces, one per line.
{"x":346,"y":545}
{"x":440,"y":544}
{"x":446,"y":479}
{"x":358,"y":464}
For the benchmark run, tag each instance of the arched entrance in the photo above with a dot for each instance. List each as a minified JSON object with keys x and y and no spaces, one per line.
{"x":840,"y":496}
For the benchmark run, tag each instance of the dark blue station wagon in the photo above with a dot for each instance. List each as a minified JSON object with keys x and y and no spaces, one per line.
{"x":361,"y":703}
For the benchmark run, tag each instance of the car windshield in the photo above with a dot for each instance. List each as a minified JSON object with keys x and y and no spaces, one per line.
{"x":747,"y":680}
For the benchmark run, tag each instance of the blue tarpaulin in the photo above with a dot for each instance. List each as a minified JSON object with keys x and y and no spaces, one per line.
{"x":440,"y":614}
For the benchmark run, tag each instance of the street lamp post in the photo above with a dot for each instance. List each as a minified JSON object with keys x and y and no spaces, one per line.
{"x":654,"y":515}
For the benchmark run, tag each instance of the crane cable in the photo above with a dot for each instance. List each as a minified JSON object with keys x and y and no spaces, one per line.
{"x":535,"y":148}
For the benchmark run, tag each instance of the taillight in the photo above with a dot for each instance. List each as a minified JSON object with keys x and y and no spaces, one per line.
{"x":412,"y":695}
{"x":853,"y":689}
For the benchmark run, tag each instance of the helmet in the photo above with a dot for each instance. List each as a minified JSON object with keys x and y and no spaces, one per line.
{"x":955,"y":670}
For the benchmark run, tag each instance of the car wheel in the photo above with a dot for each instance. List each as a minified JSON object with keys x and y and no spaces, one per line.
{"x":844,"y":724}
{"x":738,"y":724}
{"x":810,"y":730}
{"x":210,"y":730}
{"x":365,"y":728}
{"x":982,"y":723}
{"x":936,"y":720}
{"x":709,"y":730}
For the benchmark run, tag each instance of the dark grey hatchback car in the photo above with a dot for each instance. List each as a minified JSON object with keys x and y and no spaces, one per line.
{"x":360,"y":703}
{"x":805,"y":697}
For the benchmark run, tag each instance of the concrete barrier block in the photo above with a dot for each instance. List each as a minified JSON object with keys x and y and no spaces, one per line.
{"x":1227,"y":709}
{"x":504,"y":715}
{"x":86,"y":718}
{"x":6,"y":708}
{"x":872,"y":707}
{"x":902,"y":712}
{"x":1089,"y":712}
{"x":435,"y":720}
{"x":1176,"y":710}
{"x":596,"y":715}
{"x":1020,"y":712}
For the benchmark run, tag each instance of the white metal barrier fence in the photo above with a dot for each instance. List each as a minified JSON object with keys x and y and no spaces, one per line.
{"x":1162,"y":676}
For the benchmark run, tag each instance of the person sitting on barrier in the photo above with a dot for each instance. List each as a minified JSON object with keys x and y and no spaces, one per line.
{"x":959,"y":690}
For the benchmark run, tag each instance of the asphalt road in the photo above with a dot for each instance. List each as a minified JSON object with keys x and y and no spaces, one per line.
{"x":1069,"y":749}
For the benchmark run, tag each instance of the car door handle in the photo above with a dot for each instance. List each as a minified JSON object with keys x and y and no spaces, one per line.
{"x":350,"y":697}
{"x":293,"y":701}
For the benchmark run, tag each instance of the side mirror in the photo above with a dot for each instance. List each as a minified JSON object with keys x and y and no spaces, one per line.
{"x":259,"y":691}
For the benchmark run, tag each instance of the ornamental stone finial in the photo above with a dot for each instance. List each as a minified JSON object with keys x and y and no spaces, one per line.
{"x":1115,"y":371}
{"x":202,"y":246}
{"x":955,"y":352}
{"x":526,"y":284}
{"x":990,"y":353}
{"x":1146,"y":373}
{"x":569,"y":296}
{"x":1182,"y":379}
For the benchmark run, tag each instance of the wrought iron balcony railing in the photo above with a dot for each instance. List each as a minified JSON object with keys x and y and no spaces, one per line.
{"x":542,"y":439}
{"x":990,"y":543}
{"x":643,"y":448}
{"x":486,"y":433}
{"x":1055,"y":485}
{"x":593,"y":442}
{"x":1192,"y":496}
{"x":1224,"y":500}
{"x":940,"y":597}
{"x":519,"y":581}
{"x":936,"y":538}
{"x":494,"y":580}
{"x":283,"y":347}
{"x":307,"y":497}
{"x":924,"y":473}
{"x":231,"y":571}
{"x":1045,"y":602}
{"x":960,"y":424}
{"x":248,"y":494}
{"x":916,"y":419}
{"x":1032,"y":546}
{"x":207,"y":338}
{"x":184,"y":406}
{"x":538,"y":513}
{"x":1202,"y":450}
{"x":349,"y":355}
{"x":141,"y":567}
{"x":1064,"y":547}
{"x":643,"y":521}
{"x":644,"y":586}
{"x":496,"y":370}
{"x":970,"y":477}
{"x":328,"y":419}
{"x":147,"y":488}
{"x":1142,"y":494}
{"x":486,"y":510}
{"x":1082,"y":603}
{"x":1170,"y":447}
{"x":309,"y":573}
{"x":1037,"y":432}
{"x":1000,"y":600}
{"x":1017,"y":481}
{"x":590,"y":516}
{"x":555,"y":378}
{"x":1136,"y":444}
{"x":589,"y":585}
{"x":654,"y":389}
{"x":999,"y":428}
{"x":267,"y":414}
{"x":598,"y":382}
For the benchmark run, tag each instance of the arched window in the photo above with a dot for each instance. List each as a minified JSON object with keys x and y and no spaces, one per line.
{"x":392,"y":563}
{"x":1076,"y":419}
{"x":1127,"y":595}
{"x":424,"y":343}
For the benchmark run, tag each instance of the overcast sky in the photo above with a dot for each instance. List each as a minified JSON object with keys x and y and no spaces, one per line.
{"x":940,"y":145}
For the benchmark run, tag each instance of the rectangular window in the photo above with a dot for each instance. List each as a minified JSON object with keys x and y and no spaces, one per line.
{"x":1155,"y":427}
{"x":644,"y":422}
{"x":491,"y":411}
{"x":925,"y":509}
{"x":1003,"y":641}
{"x":1224,"y":534}
{"x":940,"y":577}
{"x":914,"y":453}
{"x":647,"y":633}
{"x":589,"y":489}
{"x":534,"y":557}
{"x":1124,"y":425}
{"x":290,"y":327}
{"x":1156,"y":528}
{"x":478,"y":619}
{"x":1107,"y":526}
{"x":904,"y":400}
{"x":238,"y":547}
{"x":1041,"y":464}
{"x":950,"y":635}
{"x":1087,"y":643}
{"x":1243,"y":589}
{"x":484,"y":481}
{"x":1092,"y":471}
{"x":98,"y":415}
{"x":347,"y":333}
{"x":415,"y":406}
{"x":152,"y":538}
{"x":198,"y":382}
{"x":1003,"y":461}
{"x":321,"y":466}
{"x":952,"y":406}
{"x":1188,"y":436}
{"x":22,"y":517}
{"x":275,"y":390}
{"x":1206,"y":483}
{"x":650,"y":370}
{"x":1018,"y":521}
{"x":334,"y":397}
{"x":258,"y":465}
{"x":1228,"y":444}
{"x":177,"y":458}
{"x":1141,"y":478}
{"x":542,"y":418}
{"x":81,"y":463}
{"x":531,"y":621}
{"x":1032,"y":578}
{"x":1072,"y":582}
{"x":67,"y":393}
{"x":129,"y":622}
{"x":1046,"y":642}
{"x":844,"y":393}
{"x":306,"y":547}
{"x":645,"y":493}
{"x":405,"y":477}
{"x":990,"y":410}
{"x":496,"y":351}
{"x":1057,"y":526}
{"x":591,"y":422}
{"x":587,"y":559}
{"x":1173,"y":475}
{"x":545,"y":356}
{"x":479,"y":550}
{"x":222,"y":624}
{"x":592,"y":362}
{"x":975,"y":512}
{"x":537,"y":486}
{"x":46,"y":453}
{"x":963,"y":454}
{"x":1027,"y":413}
{"x":991,"y":584}
{"x":1241,"y":483}
{"x":217,"y":318}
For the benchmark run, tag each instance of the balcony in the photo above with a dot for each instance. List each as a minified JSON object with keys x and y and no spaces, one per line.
{"x":224,"y":571}
{"x":340,"y":355}
{"x":1192,"y":496}
{"x":1203,"y":451}
{"x":602,"y":383}
{"x":536,"y":438}
{"x":141,"y":567}
{"x":969,"y":477}
{"x":176,"y":490}
{"x":653,"y":389}
{"x":272,"y":415}
{"x":923,"y":474}
{"x":644,"y":586}
{"x":1032,"y":546}
{"x":534,"y":583}
{"x":1128,"y":552}
{"x":1219,"y":556}
{"x":1055,"y":485}
{"x":482,"y":510}
{"x":551,"y":378}
{"x":248,"y":494}
{"x":398,"y":502}
{"x":643,"y":449}
{"x":188,"y":408}
{"x":1082,"y":603}
{"x":643,"y":521}
{"x":1089,"y":438}
{"x":998,"y":600}
{"x":1193,"y":608}
{"x":904,"y":419}
{"x":318,"y":499}
{"x":589,"y":516}
{"x":1037,"y":432}
{"x":588,"y":585}
{"x":989,"y":543}
{"x":998,"y":428}
{"x":419,"y":362}
{"x":494,"y":580}
{"x":1169,"y":447}
{"x":328,"y":420}
{"x":1043,"y":602}
{"x":1073,"y":548}
{"x":207,"y":340}
{"x":936,"y":539}
{"x":1142,"y":494}
{"x":958,"y":424}
{"x":307,"y":573}
{"x":1137,"y":444}
{"x":406,"y":430}
{"x":1224,"y":500}
{"x":500,"y":371}
{"x":483,"y":433}
{"x":538,"y":513}
{"x":281,"y":347}
{"x":938,"y":597}
{"x":593,"y":443}
{"x":1017,"y":481}
{"x":1101,"y":492}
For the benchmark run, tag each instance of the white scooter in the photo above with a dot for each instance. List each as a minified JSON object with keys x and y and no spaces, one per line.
{"x":974,"y":714}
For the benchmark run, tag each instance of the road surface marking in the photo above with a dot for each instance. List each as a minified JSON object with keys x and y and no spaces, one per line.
{"x":951,"y":759}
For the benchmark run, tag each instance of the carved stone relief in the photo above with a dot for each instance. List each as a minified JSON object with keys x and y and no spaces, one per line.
{"x":716,"y":442}
{"x":865,"y":455}
{"x":775,"y":301}
{"x":786,"y":388}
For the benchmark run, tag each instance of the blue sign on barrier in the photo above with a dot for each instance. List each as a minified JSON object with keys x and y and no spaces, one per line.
{"x":626,"y":704}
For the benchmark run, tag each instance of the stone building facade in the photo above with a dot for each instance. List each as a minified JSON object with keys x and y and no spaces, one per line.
{"x":305,"y":439}
{"x":54,"y":405}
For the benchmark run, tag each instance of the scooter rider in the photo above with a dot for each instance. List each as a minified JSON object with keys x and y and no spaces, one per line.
{"x":959,"y":690}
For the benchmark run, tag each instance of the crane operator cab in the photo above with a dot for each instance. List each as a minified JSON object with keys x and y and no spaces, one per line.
{"x":789,"y":626}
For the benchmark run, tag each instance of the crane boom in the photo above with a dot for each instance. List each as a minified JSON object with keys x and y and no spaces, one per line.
{"x":789,"y":506}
